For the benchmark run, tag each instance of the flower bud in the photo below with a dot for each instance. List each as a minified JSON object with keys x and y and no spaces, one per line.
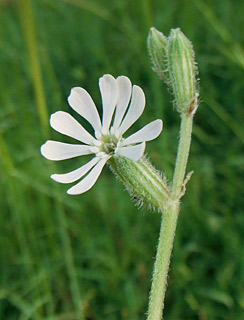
{"x":182,"y":71}
{"x":143,"y":182}
{"x":157,"y":43}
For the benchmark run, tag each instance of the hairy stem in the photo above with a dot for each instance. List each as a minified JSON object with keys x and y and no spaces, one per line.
{"x":169,"y":223}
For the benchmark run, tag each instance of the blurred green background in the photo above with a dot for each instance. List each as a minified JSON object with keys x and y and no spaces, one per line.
{"x":91,"y":256}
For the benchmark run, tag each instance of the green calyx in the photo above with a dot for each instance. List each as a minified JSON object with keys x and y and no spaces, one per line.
{"x":143,"y":182}
{"x":157,"y":44}
{"x":182,"y":71}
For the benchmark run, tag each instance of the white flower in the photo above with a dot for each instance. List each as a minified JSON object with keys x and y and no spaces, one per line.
{"x":108,"y":142}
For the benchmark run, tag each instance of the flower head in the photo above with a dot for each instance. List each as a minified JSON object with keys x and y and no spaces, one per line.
{"x":122,"y":106}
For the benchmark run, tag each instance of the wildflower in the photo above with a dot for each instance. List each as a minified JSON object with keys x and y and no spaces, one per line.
{"x":108,"y":141}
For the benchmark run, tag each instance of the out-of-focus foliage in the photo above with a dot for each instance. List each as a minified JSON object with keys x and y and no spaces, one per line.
{"x":59,"y":254}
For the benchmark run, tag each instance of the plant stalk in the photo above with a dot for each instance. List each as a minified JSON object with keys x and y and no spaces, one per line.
{"x":29,"y":32}
{"x":169,"y":222}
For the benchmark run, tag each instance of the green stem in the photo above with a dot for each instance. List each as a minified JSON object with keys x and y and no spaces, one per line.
{"x":182,"y":155}
{"x":169,"y":223}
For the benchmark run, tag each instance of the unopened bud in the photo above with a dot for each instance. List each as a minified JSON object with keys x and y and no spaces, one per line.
{"x":182,"y":71}
{"x":157,"y":44}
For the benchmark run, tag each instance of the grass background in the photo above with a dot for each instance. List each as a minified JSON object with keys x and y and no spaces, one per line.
{"x":91,"y":256}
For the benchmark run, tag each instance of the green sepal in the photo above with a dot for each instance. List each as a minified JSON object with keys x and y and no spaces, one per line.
{"x":143,"y":182}
{"x":182,"y":71}
{"x":157,"y":44}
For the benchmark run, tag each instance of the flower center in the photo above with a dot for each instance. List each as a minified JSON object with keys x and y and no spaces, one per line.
{"x":109,"y":144}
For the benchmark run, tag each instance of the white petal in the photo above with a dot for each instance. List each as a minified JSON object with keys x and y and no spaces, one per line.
{"x":54,"y":150}
{"x":88,"y":182}
{"x":135,"y":109}
{"x":109,"y":92}
{"x":123,"y":99}
{"x":82,"y":103}
{"x":134,"y":152}
{"x":64,"y":123}
{"x":76,"y":174}
{"x":147,"y":133}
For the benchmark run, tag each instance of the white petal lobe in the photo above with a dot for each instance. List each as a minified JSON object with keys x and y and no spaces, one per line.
{"x":76,"y":174}
{"x":88,"y":182}
{"x":82,"y":103}
{"x":135,"y":109}
{"x":54,"y":150}
{"x":64,"y":123}
{"x":109,"y":92}
{"x":133,"y":152}
{"x":147,"y":133}
{"x":124,"y":85}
